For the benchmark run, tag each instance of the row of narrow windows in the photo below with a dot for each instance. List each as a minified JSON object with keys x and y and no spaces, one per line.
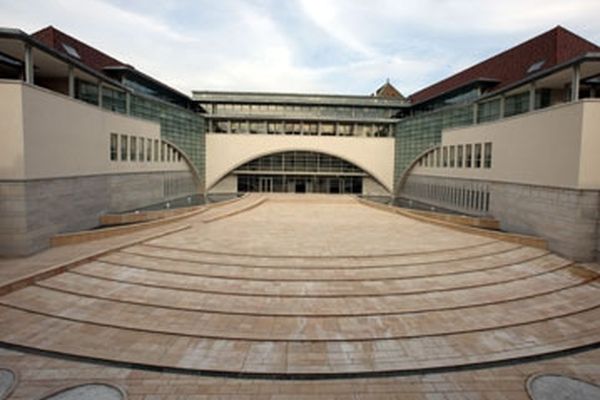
{"x":137,"y":148}
{"x":301,"y":128}
{"x":468,"y":198}
{"x":300,"y":109}
{"x":476,"y":155}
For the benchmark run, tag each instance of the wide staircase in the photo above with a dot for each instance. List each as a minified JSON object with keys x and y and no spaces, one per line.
{"x":210,"y":299}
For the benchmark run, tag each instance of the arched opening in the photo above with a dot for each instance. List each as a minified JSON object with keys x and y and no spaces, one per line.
{"x":300,"y":172}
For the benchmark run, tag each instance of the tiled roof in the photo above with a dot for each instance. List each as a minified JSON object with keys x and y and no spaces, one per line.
{"x":388,"y":90}
{"x":553,"y":47}
{"x":89,"y":56}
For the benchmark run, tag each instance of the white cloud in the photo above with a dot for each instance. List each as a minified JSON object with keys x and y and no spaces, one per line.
{"x":250,"y":45}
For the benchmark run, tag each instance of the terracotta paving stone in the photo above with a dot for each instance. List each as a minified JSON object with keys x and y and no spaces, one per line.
{"x":309,"y":285}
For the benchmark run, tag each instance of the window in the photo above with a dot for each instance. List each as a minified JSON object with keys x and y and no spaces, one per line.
{"x":469,"y":156}
{"x":149,"y":150}
{"x":132,"y":148}
{"x":327,"y":129}
{"x":124,"y":142}
{"x":452,"y":154}
{"x":168,"y":153}
{"x":311,"y":128}
{"x":445,"y":156}
{"x":345,"y":130}
{"x":437,"y":158}
{"x":274,"y":128}
{"x":141,"y":149}
{"x":478,"y":155}
{"x":459,"y":156}
{"x":517,"y":104}
{"x":487,"y":155}
{"x":71,"y":51}
{"x":155,"y":150}
{"x":163,"y":152}
{"x":114,"y":146}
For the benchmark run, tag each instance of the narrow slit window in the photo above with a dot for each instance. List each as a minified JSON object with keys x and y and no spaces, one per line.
{"x":124,"y":142}
{"x":487,"y":155}
{"x":114,"y":149}
{"x":132,"y":148}
{"x":478,"y":155}
{"x":469,"y":156}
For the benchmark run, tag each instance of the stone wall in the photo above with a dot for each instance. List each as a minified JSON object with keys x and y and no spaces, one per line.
{"x":32,"y":211}
{"x":569,"y":219}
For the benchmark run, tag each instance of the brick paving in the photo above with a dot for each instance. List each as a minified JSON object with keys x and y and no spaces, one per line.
{"x":307,"y":286}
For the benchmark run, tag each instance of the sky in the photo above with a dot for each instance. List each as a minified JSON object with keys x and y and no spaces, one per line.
{"x":306,"y":46}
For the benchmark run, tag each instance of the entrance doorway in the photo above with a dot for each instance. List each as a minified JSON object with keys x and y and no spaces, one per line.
{"x":265,"y":184}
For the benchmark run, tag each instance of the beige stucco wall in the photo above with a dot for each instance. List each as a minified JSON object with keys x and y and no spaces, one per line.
{"x":11,"y":128}
{"x":64,"y":137}
{"x":558,"y":147}
{"x":225,"y":152}
{"x":589,"y":172}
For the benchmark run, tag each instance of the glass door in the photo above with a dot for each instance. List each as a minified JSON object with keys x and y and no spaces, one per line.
{"x":265,"y":184}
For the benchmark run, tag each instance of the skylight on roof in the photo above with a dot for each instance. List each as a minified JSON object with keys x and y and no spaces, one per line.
{"x":71,"y":51}
{"x":536,"y":66}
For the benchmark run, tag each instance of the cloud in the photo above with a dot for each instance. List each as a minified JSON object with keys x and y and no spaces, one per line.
{"x":339,"y":46}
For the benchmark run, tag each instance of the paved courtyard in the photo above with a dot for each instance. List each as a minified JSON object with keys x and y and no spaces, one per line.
{"x":356,"y":299}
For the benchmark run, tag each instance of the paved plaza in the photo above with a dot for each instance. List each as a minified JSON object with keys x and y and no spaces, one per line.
{"x":301,"y":296}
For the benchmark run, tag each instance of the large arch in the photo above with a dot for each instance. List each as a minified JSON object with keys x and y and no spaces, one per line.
{"x":225,"y":153}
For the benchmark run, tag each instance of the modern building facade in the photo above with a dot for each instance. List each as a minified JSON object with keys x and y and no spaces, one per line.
{"x":300,"y":143}
{"x":514,"y":137}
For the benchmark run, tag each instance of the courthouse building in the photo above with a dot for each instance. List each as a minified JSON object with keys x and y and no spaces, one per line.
{"x":515,"y":137}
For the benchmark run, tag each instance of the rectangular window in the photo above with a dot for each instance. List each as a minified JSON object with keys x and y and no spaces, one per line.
{"x":168,"y":153}
{"x":149,"y":150}
{"x":487,"y":155}
{"x":155,"y":150}
{"x":141,"y":149}
{"x":478,"y":155}
{"x":114,"y":146}
{"x":459,"y":156}
{"x":124,"y":142}
{"x":445,"y":156}
{"x":327,"y":129}
{"x":132,"y":148}
{"x":452,"y":156}
{"x":516,"y":104}
{"x":469,"y":156}
{"x":163,"y":152}
{"x":274,"y":128}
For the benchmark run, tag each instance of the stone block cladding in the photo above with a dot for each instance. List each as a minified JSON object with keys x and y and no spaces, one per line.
{"x":32,"y":211}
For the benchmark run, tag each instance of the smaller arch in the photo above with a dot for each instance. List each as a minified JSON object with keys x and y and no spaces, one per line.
{"x":404,"y":176}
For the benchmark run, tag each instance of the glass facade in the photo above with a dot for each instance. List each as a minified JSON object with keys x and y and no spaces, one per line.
{"x":299,"y":172}
{"x":182,"y":127}
{"x":417,"y":133}
{"x":114,"y":100}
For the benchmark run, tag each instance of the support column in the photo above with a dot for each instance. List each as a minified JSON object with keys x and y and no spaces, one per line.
{"x":575,"y":82}
{"x":319,"y":128}
{"x":475,"y":113}
{"x":100,"y":94}
{"x":502,"y":106}
{"x":29,"y":78}
{"x":71,"y":81}
{"x":532,"y":97}
{"x":128,"y":103}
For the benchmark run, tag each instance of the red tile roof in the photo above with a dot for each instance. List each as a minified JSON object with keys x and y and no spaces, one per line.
{"x":555,"y":47}
{"x":89,"y":56}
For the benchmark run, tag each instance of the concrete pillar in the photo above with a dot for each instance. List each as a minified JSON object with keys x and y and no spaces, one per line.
{"x":532,"y":97}
{"x":128,"y":103}
{"x":475,"y":112}
{"x":575,"y":82}
{"x":319,"y":128}
{"x":29,"y":78}
{"x":229,"y":126}
{"x":100,"y":94}
{"x":502,"y":106}
{"x":71,"y":81}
